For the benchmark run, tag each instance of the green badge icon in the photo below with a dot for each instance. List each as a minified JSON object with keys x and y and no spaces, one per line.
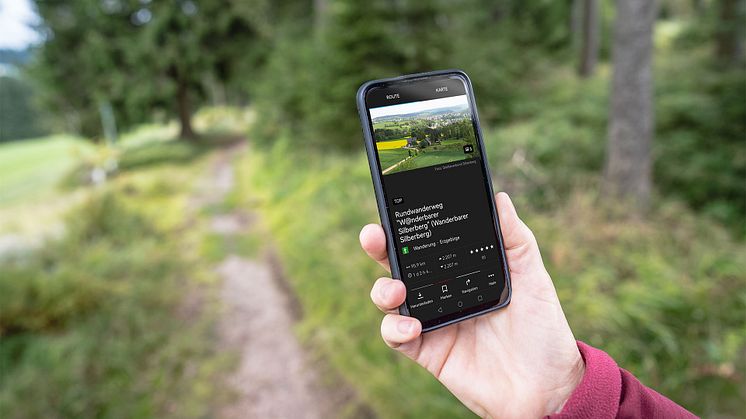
{"x":405,"y":250}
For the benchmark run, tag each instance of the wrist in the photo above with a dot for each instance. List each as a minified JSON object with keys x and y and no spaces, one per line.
{"x":566,"y":385}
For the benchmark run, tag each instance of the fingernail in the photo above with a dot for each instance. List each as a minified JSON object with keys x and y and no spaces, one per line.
{"x":405,"y":326}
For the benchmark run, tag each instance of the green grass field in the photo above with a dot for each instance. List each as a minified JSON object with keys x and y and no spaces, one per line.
{"x":392,"y":125}
{"x":33,"y":168}
{"x":389,"y":158}
{"x":445,"y":152}
{"x":454,"y":142}
{"x":437,"y":157}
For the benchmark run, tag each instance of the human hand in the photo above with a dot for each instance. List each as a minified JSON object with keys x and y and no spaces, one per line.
{"x":517,"y":362}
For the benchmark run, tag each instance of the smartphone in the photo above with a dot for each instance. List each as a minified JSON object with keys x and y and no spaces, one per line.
{"x":434,"y":195}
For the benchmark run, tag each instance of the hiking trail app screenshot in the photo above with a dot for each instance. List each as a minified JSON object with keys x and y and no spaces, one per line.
{"x":437,"y":197}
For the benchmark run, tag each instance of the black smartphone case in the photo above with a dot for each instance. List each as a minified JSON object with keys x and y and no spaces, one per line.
{"x":376,"y":175}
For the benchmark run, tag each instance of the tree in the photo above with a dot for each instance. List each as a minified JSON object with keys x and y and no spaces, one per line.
{"x":729,"y":32}
{"x":422,"y":26}
{"x":18,"y":117}
{"x":141,"y":56}
{"x":628,"y":159}
{"x":81,"y":42}
{"x":357,"y":45}
{"x":589,"y":38}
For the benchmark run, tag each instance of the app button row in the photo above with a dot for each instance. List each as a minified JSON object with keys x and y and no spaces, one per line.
{"x":460,"y":304}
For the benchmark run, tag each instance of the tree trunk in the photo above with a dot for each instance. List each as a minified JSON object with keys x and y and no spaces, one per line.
{"x":589,"y":38}
{"x":185,"y":111}
{"x":729,"y":45}
{"x":320,"y":11}
{"x":575,"y":24}
{"x":627,"y":173}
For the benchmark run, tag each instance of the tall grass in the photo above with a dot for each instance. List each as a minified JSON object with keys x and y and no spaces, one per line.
{"x":101,"y":322}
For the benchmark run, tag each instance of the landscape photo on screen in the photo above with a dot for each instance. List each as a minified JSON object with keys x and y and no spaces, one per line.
{"x":421,"y":134}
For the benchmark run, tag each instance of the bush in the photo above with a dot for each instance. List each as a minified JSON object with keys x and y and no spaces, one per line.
{"x":700,"y":152}
{"x":665,"y":297}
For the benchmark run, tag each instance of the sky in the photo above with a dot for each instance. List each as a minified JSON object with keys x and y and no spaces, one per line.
{"x":421,"y":106}
{"x":15,"y":17}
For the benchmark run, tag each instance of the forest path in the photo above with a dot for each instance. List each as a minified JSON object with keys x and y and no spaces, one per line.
{"x":274,"y":377}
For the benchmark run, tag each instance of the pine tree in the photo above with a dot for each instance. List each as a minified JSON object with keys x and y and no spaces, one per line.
{"x":628,"y":171}
{"x":140,"y":56}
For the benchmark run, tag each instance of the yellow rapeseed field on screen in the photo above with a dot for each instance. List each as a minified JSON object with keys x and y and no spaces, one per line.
{"x":389,"y":145}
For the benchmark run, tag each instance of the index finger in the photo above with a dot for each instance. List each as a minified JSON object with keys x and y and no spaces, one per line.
{"x":373,"y":241}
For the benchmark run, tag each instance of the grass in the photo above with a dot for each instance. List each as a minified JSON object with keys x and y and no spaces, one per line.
{"x":32,"y":169}
{"x":392,"y":124}
{"x":389,"y":158}
{"x":114,"y":317}
{"x":431,"y":158}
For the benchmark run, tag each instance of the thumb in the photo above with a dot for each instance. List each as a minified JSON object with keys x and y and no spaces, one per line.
{"x":520,"y":244}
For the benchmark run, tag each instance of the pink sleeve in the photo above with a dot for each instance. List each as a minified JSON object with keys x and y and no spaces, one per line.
{"x":608,"y":391}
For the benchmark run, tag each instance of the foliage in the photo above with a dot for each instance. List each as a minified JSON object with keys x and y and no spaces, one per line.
{"x":18,"y":116}
{"x":701,"y":132}
{"x":94,"y":323}
{"x":665,"y":297}
{"x":94,"y":55}
{"x":699,"y":148}
{"x":317,"y":105}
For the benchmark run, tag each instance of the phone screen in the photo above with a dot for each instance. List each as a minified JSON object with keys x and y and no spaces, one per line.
{"x":437,"y":197}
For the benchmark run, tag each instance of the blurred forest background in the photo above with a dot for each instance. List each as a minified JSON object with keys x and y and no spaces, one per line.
{"x":619,"y":128}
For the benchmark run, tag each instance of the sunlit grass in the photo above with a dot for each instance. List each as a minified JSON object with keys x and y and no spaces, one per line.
{"x":31,"y":169}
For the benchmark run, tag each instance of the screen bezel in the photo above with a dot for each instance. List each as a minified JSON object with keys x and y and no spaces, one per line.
{"x":377,"y":176}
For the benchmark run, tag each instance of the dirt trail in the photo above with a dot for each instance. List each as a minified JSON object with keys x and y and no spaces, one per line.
{"x":274,"y":377}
